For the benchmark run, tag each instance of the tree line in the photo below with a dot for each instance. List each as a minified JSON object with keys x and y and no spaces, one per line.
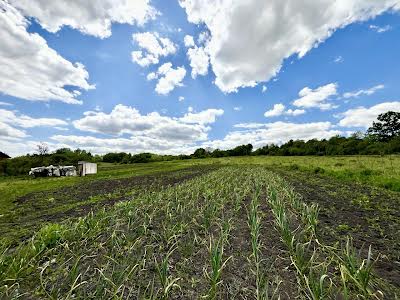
{"x":383,"y":137}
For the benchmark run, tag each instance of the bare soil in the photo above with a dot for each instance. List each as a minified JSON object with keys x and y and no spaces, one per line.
{"x":369,"y":215}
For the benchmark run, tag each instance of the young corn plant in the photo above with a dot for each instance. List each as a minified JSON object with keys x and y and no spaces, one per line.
{"x":254,"y":222}
{"x":167,"y":281}
{"x":357,"y":272}
{"x":217,"y":261}
{"x":303,"y":258}
{"x":317,"y":287}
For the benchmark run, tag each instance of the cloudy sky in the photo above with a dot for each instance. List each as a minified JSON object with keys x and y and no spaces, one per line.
{"x":171,"y":76}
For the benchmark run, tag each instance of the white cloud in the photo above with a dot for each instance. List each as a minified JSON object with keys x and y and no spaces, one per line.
{"x":339,"y":59}
{"x":61,"y":128}
{"x":203,"y":117}
{"x":127,"y":120}
{"x":133,"y":145}
{"x":367,"y":92}
{"x":279,"y":109}
{"x":199,"y":61}
{"x":30,"y":69}
{"x":12,"y":118}
{"x":146,"y":133}
{"x":310,"y":98}
{"x":204,"y":37}
{"x":380,"y":29}
{"x":277,"y":133}
{"x":237,"y":108}
{"x":249,"y":125}
{"x":153,"y":47}
{"x":181,"y":98}
{"x":5,"y":103}
{"x":89,"y":17}
{"x":363,"y":117}
{"x":188,"y":41}
{"x":168,"y":78}
{"x":8,"y":131}
{"x":249,"y":39}
{"x":264,"y":89}
{"x":276,"y":111}
{"x":295,"y":112}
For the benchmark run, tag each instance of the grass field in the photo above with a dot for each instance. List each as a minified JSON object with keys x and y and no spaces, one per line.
{"x":229,"y":228}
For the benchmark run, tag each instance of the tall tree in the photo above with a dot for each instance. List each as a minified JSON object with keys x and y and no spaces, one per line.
{"x":388,"y":126}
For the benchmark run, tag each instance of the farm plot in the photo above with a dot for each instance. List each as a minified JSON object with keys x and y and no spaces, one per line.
{"x":33,"y":209}
{"x":237,"y":232}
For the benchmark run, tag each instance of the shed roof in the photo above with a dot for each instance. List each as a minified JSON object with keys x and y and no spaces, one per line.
{"x":3,"y":155}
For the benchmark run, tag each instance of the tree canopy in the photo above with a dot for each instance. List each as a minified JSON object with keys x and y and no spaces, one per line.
{"x":387,"y":127}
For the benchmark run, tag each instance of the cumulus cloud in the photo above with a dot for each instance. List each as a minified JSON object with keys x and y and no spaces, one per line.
{"x":135,"y":132}
{"x":181,"y":98}
{"x":203,"y":117}
{"x":273,"y":133}
{"x":168,"y":78}
{"x":188,"y":41}
{"x":279,"y":110}
{"x":128,"y":120}
{"x":363,"y":117}
{"x":249,"y":40}
{"x":237,"y":108}
{"x":199,"y":61}
{"x":276,"y":111}
{"x":204,"y":37}
{"x":153,"y":47}
{"x":30,"y":69}
{"x":132,"y":145}
{"x":318,"y":97}
{"x":89,"y":17}
{"x":361,"y":92}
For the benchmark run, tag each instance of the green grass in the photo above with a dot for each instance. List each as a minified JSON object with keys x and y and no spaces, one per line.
{"x":379,"y":171}
{"x":181,"y":241}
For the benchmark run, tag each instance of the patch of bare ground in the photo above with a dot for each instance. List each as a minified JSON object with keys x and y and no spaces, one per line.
{"x":34,"y":209}
{"x":369,"y":215}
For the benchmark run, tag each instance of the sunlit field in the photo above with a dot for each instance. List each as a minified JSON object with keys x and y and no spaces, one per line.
{"x":245,"y":227}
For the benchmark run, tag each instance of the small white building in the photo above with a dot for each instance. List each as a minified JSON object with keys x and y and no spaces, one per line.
{"x":85,"y":168}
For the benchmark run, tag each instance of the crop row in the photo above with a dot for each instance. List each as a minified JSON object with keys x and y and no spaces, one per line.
{"x":179,"y":242}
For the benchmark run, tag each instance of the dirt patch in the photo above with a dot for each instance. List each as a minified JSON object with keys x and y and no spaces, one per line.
{"x":95,"y":188}
{"x":369,"y":215}
{"x":34,"y":209}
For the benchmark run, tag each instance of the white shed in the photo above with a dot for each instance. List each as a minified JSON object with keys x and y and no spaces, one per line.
{"x":85,"y":168}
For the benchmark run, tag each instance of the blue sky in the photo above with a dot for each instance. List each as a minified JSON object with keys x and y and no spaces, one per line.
{"x":266,"y":75}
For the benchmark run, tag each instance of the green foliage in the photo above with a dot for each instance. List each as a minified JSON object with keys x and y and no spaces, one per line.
{"x":387,"y":127}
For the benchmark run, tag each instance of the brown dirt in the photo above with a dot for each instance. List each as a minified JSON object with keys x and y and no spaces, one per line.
{"x":95,"y":188}
{"x":34,"y":210}
{"x":370,"y":215}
